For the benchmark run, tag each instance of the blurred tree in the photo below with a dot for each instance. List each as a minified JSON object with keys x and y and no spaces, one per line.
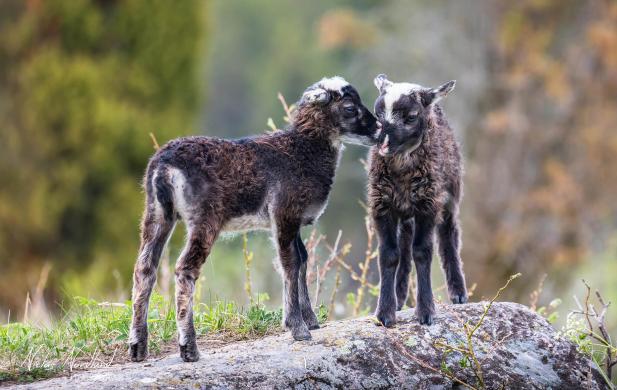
{"x":260,"y":48}
{"x":83,"y":84}
{"x":535,"y":109}
{"x":543,"y":165}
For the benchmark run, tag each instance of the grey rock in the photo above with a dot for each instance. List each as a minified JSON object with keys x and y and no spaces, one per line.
{"x":517,"y":349}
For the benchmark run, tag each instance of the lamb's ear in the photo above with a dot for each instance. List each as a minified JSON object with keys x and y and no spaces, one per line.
{"x":381,"y":82}
{"x":315,"y":96}
{"x":434,"y":95}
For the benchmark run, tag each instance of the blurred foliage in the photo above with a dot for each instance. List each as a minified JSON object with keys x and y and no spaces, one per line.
{"x":259,"y":48}
{"x":93,"y":333}
{"x":543,"y":159}
{"x":83,"y":84}
{"x":533,"y":108}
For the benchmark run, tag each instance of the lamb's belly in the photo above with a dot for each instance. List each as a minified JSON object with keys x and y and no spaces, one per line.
{"x":313,"y":212}
{"x":247,"y":223}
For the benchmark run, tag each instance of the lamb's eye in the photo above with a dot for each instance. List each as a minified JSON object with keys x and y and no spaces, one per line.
{"x":412,"y":116}
{"x":350,"y":109}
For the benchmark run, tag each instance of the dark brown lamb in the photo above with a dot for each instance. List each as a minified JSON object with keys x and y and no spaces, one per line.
{"x":414,"y":189}
{"x":277,"y":181}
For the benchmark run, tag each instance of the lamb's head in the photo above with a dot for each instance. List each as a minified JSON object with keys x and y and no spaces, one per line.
{"x":334,"y":105}
{"x":404,"y":110}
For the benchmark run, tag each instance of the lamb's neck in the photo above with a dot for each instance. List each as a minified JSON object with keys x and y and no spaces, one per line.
{"x":324,"y":140}
{"x":412,"y":159}
{"x":316,"y":151}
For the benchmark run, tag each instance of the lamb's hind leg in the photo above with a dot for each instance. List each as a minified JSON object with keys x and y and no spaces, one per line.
{"x":308,"y":315}
{"x":449,"y":243}
{"x":201,"y":237}
{"x":155,"y":232}
{"x":403,"y":269}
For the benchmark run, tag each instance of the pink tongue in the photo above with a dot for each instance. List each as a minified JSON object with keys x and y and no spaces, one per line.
{"x":383,"y":149}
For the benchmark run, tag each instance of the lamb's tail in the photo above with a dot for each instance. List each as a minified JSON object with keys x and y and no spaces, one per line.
{"x":164,"y":193}
{"x":159,"y":189}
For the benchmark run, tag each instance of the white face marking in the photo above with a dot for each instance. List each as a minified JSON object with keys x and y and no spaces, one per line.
{"x":334,"y":84}
{"x":394,"y":93}
{"x":319,"y":91}
{"x":379,"y":129}
{"x":315,"y":95}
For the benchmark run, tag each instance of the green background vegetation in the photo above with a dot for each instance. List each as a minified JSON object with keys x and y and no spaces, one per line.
{"x":84,"y":83}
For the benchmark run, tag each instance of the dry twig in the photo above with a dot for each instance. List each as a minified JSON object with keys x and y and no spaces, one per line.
{"x":535,"y":294}
{"x":468,"y":350}
{"x":591,"y":315}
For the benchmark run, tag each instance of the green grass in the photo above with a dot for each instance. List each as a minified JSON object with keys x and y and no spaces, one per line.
{"x":92,"y":334}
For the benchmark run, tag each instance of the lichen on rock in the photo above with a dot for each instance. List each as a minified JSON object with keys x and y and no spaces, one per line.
{"x":516,"y":348}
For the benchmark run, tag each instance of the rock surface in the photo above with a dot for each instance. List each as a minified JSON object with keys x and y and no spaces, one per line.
{"x":515,"y":347}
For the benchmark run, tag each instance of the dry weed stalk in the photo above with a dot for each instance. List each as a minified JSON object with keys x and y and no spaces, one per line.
{"x":312,"y":245}
{"x":401,"y":348}
{"x":248,"y":260}
{"x":155,"y":143}
{"x":467,"y":349}
{"x":337,"y":283}
{"x":535,"y":294}
{"x":327,"y":266}
{"x":289,"y":109}
{"x":591,"y":315}
{"x":362,"y":277}
{"x":289,"y":113}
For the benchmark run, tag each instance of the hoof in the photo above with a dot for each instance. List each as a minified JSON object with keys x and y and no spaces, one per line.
{"x":400,"y":302}
{"x":425,"y":316}
{"x":301,"y":333}
{"x":310,"y":319}
{"x":138,"y":351}
{"x":459,"y":299}
{"x":386,"y":319}
{"x":426,"y":319}
{"x":189,"y":352}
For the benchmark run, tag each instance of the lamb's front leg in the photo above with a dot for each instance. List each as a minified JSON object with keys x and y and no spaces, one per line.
{"x":290,"y":264}
{"x":389,"y":254}
{"x":305,"y":301}
{"x":422,"y":257}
